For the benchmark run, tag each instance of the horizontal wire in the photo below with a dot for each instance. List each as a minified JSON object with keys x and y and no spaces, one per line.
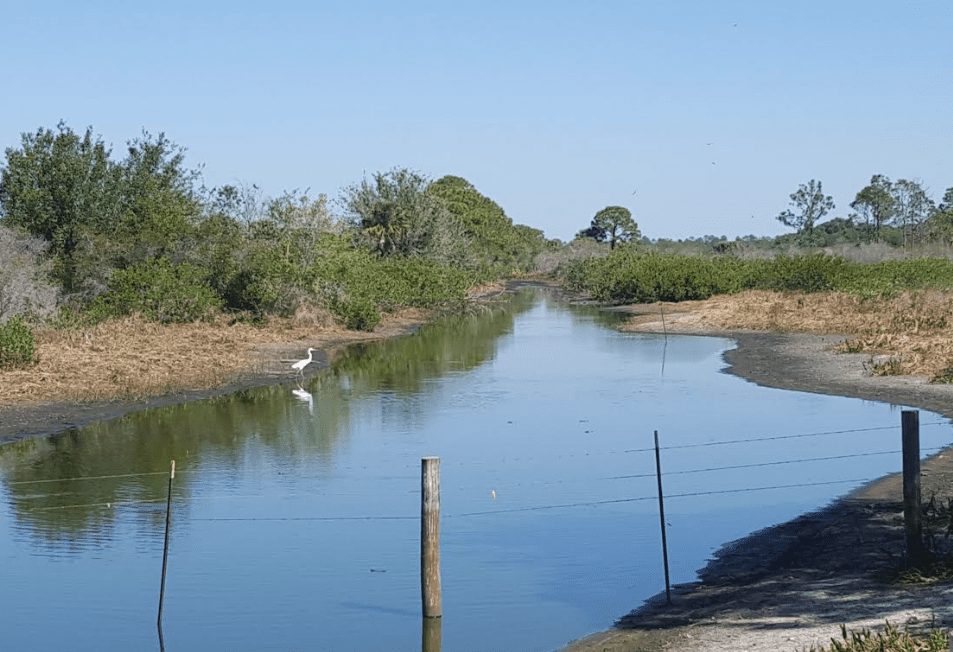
{"x":194,"y":499}
{"x":307,"y":518}
{"x":118,"y":503}
{"x":88,"y":477}
{"x":750,"y":466}
{"x":756,"y":439}
{"x":633,"y":450}
{"x":780,"y":486}
{"x":465,"y":514}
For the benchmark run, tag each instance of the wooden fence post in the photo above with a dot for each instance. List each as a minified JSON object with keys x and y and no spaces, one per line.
{"x":910,"y":422}
{"x":430,"y":537}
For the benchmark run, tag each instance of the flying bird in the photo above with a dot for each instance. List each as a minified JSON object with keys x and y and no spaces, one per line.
{"x":301,"y":364}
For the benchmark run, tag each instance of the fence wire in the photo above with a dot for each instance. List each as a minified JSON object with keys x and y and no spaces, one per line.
{"x":125,"y":503}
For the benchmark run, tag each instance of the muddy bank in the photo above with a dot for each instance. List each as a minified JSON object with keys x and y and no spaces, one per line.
{"x":23,"y":421}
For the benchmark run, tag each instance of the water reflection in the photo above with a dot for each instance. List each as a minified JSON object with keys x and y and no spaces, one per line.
{"x":68,"y":490}
{"x":305,"y":397}
{"x":431,"y":634}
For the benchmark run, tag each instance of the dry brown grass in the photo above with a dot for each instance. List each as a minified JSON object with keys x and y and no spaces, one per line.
{"x":133,"y":358}
{"x":914,"y":329}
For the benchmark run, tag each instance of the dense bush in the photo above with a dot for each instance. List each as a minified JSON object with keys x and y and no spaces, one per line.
{"x":812,"y":273}
{"x":25,"y":286}
{"x":357,"y":313}
{"x":498,"y":247}
{"x":390,"y":282}
{"x":17,"y":345}
{"x":629,"y":276}
{"x":159,"y":291}
{"x":266,"y":283}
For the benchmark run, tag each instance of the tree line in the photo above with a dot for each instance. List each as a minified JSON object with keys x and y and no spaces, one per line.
{"x":85,"y":234}
{"x":897,"y":212}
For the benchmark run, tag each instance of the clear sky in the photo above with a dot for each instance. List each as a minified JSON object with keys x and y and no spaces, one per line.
{"x":700,"y":117}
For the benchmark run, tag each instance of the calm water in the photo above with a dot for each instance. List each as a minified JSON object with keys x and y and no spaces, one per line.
{"x":295,"y":521}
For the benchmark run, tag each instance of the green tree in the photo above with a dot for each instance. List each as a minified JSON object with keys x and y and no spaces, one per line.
{"x":614,"y":224}
{"x":939,"y":225}
{"x":300,"y":222}
{"x":593,"y":231}
{"x":496,"y":241}
{"x":395,"y":216}
{"x":912,"y":206}
{"x":811,"y":205}
{"x":159,"y":199}
{"x":55,"y":186}
{"x":875,"y":203}
{"x":96,"y":214}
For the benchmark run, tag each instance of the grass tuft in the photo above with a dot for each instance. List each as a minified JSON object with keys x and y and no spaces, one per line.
{"x":890,"y":640}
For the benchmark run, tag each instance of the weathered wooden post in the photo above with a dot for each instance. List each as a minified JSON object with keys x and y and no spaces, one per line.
{"x":430,"y":537}
{"x":661,"y":511}
{"x":165,"y":550}
{"x":910,"y":426}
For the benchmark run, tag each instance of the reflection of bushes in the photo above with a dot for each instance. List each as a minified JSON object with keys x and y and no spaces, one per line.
{"x":456,"y":342}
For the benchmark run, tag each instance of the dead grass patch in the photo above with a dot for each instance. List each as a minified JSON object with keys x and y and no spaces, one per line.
{"x":913,"y":330}
{"x":127,"y":359}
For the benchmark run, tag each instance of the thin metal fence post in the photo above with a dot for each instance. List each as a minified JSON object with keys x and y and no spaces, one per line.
{"x":661,"y":511}
{"x":165,"y":551}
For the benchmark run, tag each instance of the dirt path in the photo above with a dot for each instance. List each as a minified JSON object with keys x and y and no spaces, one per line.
{"x":791,"y":587}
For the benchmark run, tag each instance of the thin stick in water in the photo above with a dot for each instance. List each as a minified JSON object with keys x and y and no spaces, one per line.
{"x":165,"y":551}
{"x":661,"y":511}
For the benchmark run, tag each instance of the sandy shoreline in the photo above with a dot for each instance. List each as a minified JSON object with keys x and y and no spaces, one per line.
{"x":786,"y":588}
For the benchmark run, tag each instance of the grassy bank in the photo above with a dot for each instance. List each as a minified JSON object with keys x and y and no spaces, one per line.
{"x":132,"y":358}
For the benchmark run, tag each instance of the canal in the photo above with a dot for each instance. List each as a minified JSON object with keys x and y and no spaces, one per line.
{"x":295,"y":511}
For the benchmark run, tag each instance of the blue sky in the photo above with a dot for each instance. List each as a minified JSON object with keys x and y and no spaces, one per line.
{"x":712,"y":113}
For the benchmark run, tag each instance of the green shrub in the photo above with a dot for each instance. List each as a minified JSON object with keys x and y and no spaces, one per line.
{"x":160,"y":291}
{"x":812,"y":273}
{"x":390,"y":283}
{"x":634,"y":277}
{"x":17,"y":345}
{"x":358,"y":314}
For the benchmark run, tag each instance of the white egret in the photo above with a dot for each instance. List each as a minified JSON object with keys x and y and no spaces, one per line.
{"x":301,"y":364}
